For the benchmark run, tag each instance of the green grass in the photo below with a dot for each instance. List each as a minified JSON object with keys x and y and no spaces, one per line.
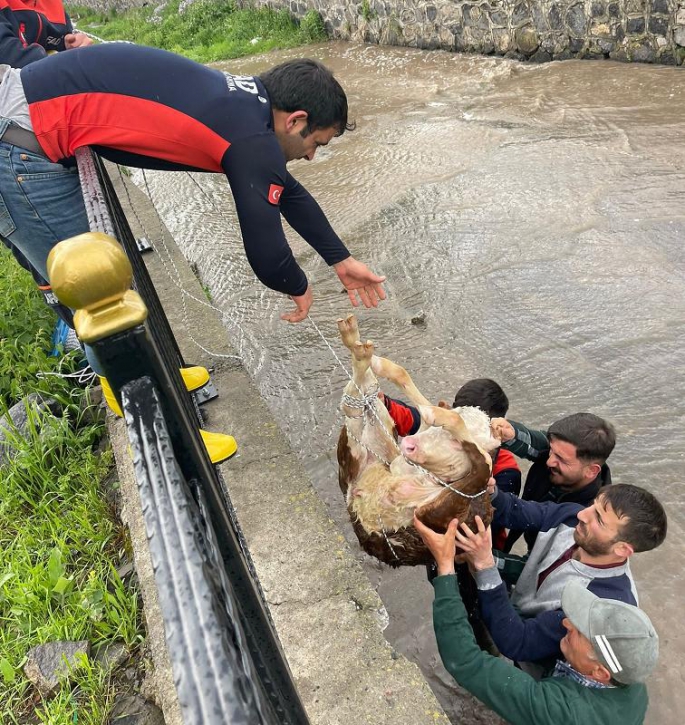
{"x":206,"y":31}
{"x":59,"y":540}
{"x":25,"y":334}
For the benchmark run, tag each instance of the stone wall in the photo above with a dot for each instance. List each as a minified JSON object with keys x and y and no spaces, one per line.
{"x":651,"y":31}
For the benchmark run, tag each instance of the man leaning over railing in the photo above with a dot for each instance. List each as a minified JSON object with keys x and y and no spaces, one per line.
{"x":149,"y":108}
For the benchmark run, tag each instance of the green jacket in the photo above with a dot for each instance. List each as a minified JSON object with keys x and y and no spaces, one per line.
{"x":515,"y":695}
{"x":528,"y":443}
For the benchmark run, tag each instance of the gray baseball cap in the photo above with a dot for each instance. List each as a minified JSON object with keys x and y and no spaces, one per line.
{"x":622,"y":636}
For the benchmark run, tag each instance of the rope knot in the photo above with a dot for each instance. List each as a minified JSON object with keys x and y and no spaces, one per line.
{"x":365,"y":404}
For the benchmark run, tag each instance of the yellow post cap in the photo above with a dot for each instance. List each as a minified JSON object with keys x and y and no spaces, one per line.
{"x":90,"y":273}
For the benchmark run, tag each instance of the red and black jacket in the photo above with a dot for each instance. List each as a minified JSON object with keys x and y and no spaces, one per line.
{"x":31,"y":28}
{"x":152,"y":109}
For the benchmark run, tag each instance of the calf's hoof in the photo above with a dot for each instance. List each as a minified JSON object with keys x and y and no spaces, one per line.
{"x":349,"y":332}
{"x":363,"y":351}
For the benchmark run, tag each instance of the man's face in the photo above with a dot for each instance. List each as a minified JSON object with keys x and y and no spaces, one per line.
{"x":599,"y":528}
{"x":577,"y":649}
{"x":296,"y":146}
{"x":565,"y":468}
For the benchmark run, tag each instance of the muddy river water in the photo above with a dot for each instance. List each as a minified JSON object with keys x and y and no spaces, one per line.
{"x":534,"y":217}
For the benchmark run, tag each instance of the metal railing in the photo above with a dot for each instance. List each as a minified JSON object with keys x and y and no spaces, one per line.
{"x":227,"y":662}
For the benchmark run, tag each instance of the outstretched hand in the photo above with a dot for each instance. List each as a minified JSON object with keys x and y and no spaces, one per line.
{"x":476,"y":545}
{"x":361,"y":283}
{"x":303,"y":302}
{"x":441,"y":546}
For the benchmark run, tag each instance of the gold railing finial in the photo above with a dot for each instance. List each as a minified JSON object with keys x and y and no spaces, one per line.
{"x":91,"y":274}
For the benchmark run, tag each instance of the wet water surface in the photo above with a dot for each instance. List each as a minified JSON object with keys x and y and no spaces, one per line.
{"x":535,"y":216}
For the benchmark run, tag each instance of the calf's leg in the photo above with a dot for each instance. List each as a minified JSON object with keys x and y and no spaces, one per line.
{"x":396,"y":374}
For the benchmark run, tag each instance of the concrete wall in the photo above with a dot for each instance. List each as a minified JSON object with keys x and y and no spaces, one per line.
{"x":651,"y":31}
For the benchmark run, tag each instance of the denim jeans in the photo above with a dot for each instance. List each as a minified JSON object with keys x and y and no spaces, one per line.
{"x":40,"y":202}
{"x":40,"y":205}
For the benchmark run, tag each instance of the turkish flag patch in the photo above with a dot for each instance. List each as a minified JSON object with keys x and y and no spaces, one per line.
{"x":275,"y":192}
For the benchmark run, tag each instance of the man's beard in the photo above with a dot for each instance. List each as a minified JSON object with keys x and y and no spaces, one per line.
{"x":590,"y":545}
{"x":557,"y":479}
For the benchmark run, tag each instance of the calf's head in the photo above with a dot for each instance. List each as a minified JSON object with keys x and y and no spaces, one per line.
{"x":436,"y":450}
{"x":439,"y":448}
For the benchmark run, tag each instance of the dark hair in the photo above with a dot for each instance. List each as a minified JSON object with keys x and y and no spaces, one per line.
{"x":307,"y":85}
{"x":593,"y":437}
{"x":646,"y":523}
{"x":485,"y":394}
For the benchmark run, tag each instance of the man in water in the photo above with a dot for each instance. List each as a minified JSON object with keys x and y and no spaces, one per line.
{"x":569,"y":461}
{"x":608,"y":651}
{"x":592,"y":545}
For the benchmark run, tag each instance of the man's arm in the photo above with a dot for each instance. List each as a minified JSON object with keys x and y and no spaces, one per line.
{"x":306,"y":217}
{"x":512,"y":512}
{"x":17,"y":28}
{"x":255,"y":169}
{"x":508,"y":691}
{"x":506,"y":471}
{"x":521,"y":441}
{"x":12,"y":50}
{"x":518,"y":638}
{"x":508,"y":480}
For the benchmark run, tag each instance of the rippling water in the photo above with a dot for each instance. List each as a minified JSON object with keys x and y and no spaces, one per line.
{"x":535,"y":214}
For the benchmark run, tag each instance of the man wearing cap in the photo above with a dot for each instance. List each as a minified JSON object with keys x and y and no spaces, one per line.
{"x":590,"y":545}
{"x":609,"y":649}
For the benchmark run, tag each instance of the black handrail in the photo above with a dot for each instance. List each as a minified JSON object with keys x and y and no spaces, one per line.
{"x":142,"y":367}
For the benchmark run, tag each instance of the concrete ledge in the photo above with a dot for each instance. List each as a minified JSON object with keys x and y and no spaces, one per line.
{"x":328,"y":617}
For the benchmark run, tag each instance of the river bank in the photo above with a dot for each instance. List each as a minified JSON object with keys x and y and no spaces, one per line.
{"x":203,"y":31}
{"x":66,"y":584}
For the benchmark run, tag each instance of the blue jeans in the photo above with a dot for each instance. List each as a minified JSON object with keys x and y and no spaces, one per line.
{"x":41,"y":204}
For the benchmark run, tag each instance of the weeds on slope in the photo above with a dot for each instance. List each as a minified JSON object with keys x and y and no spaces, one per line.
{"x":25,"y":329}
{"x":205,"y":30}
{"x":60,"y":542}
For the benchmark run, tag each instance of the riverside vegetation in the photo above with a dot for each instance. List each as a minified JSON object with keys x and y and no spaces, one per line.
{"x":204,"y":30}
{"x":60,"y":541}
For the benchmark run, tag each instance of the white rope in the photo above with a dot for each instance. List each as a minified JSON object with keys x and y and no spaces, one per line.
{"x":387,"y":539}
{"x":101,"y":40}
{"x":83,"y":376}
{"x":167,"y":260}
